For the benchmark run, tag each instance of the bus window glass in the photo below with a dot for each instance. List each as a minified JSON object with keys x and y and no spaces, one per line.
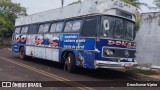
{"x":124,"y":14}
{"x":43,"y":28}
{"x":119,"y":31}
{"x":53,"y":27}
{"x":76,"y":25}
{"x":117,"y":28}
{"x":59,"y":27}
{"x":129,"y":32}
{"x":89,"y":28}
{"x":17,"y":30}
{"x":108,"y":25}
{"x":24,"y":29}
{"x":33,"y":29}
{"x":46,"y":28}
{"x":68,"y":26}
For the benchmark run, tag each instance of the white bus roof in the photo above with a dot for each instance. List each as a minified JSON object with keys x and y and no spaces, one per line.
{"x":107,"y":7}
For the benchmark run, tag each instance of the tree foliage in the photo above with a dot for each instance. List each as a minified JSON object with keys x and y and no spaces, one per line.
{"x":132,"y":2}
{"x":2,"y":23}
{"x":135,"y":3}
{"x":9,"y":11}
{"x":76,"y":2}
{"x":137,"y":21}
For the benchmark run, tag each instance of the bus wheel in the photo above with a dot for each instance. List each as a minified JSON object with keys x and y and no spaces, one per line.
{"x":22,"y":53}
{"x":70,"y":63}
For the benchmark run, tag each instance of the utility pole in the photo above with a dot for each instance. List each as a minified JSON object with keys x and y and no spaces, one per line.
{"x":62,"y":3}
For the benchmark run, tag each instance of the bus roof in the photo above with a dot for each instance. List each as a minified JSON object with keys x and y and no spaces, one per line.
{"x":88,"y":7}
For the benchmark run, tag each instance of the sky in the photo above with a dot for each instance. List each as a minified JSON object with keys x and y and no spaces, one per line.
{"x":35,"y":6}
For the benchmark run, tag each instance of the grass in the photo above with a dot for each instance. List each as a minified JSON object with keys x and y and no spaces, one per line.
{"x":144,"y":72}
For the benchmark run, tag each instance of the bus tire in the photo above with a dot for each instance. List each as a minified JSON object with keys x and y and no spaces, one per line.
{"x":22,"y":55}
{"x":70,"y":62}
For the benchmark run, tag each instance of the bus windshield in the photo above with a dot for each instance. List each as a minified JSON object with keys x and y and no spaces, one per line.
{"x":118,"y":28}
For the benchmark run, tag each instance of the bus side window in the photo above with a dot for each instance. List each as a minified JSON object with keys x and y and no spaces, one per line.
{"x":17,"y":30}
{"x":89,"y":27}
{"x":33,"y":29}
{"x":73,"y":26}
{"x":43,"y":28}
{"x":53,"y":27}
{"x":77,"y":25}
{"x":68,"y":26}
{"x":24,"y":29}
{"x":60,"y":26}
{"x":57,"y":27}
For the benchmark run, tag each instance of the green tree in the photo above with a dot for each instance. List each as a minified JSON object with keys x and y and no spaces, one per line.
{"x":137,"y":4}
{"x":76,"y":2}
{"x":9,"y":11}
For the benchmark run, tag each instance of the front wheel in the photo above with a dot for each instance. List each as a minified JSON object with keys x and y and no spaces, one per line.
{"x":22,"y":53}
{"x":70,"y":62}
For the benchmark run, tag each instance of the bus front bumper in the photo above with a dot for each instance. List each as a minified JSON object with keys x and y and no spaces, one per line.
{"x":109,"y":64}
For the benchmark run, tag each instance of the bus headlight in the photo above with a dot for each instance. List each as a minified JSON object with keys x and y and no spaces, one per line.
{"x":109,"y":52}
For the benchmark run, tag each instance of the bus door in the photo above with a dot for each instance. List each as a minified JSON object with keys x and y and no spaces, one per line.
{"x":87,"y":43}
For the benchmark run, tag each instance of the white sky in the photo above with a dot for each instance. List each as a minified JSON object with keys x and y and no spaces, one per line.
{"x":34,"y":6}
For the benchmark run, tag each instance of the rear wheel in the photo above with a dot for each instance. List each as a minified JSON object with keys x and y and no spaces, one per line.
{"x":70,"y":62}
{"x":22,"y":53}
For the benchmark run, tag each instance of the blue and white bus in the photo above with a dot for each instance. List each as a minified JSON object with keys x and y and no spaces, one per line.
{"x":91,"y":36}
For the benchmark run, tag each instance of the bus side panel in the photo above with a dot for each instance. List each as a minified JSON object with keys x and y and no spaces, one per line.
{"x":15,"y":48}
{"x":43,"y":53}
{"x":52,"y":54}
{"x":43,"y":46}
{"x":85,"y":59}
{"x":30,"y":50}
{"x":81,"y":47}
{"x":39,"y":52}
{"x":69,"y":41}
{"x":86,"y":55}
{"x":19,"y":40}
{"x":87,"y":44}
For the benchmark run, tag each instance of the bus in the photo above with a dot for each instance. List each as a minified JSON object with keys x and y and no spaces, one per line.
{"x":95,"y":34}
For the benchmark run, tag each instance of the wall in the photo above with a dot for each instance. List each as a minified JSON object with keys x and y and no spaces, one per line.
{"x":148,"y":39}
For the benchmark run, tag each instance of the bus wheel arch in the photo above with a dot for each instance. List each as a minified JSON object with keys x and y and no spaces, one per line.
{"x":68,"y":58}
